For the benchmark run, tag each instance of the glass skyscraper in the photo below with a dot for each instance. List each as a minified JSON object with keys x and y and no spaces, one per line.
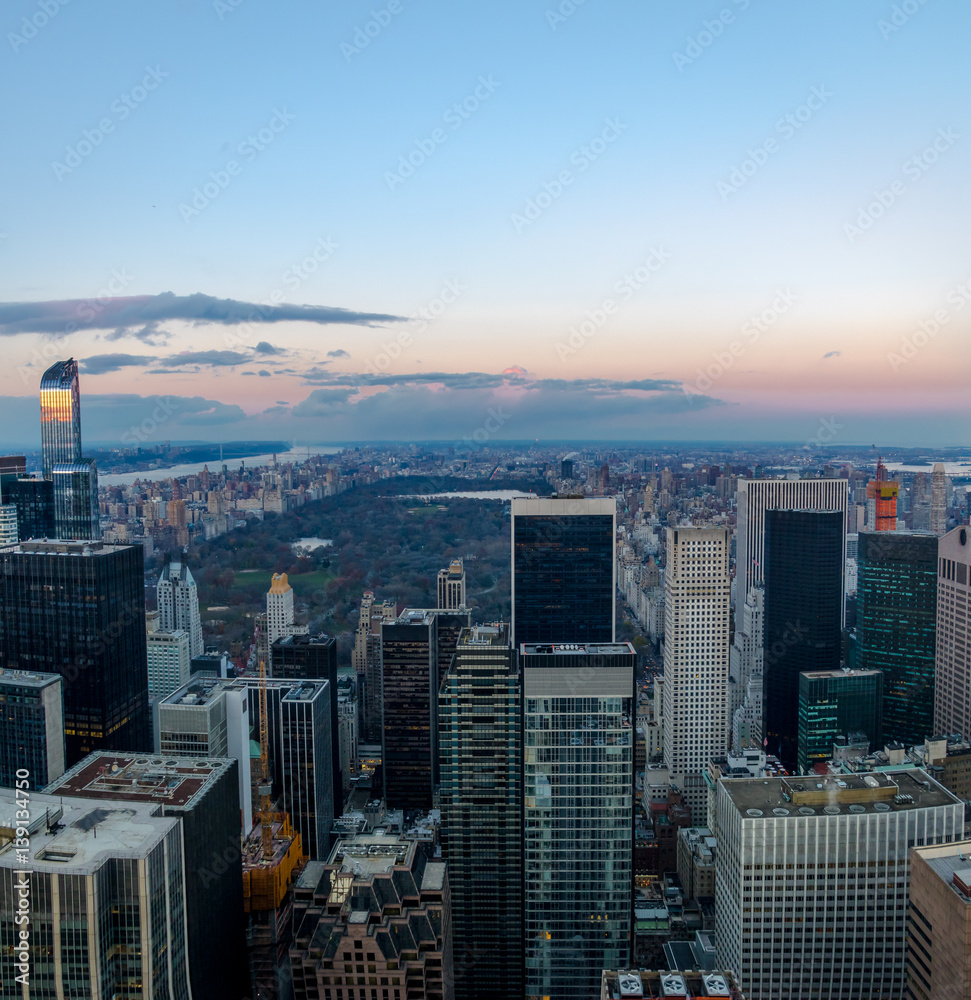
{"x":76,"y":500}
{"x":834,"y":703}
{"x":60,"y":416}
{"x":480,"y":750}
{"x":578,"y":821}
{"x":896,"y":611}
{"x":803,"y":614}
{"x":563,"y":569}
{"x":78,"y":609}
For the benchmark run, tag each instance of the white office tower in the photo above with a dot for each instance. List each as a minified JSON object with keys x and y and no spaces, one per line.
{"x":178,"y":604}
{"x":279,"y":608}
{"x":696,"y":605}
{"x":952,"y":668}
{"x":812,"y":880}
{"x":105,"y":891}
{"x":755,"y":497}
{"x":209,"y":717}
{"x":168,"y":661}
{"x":746,"y":669}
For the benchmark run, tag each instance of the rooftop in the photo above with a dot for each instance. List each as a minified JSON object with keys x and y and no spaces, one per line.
{"x":172,"y":781}
{"x":674,"y":983}
{"x":485,"y":635}
{"x":369,"y":854}
{"x":27,"y":678}
{"x":895,"y":791}
{"x":84,"y":833}
{"x":574,"y":648}
{"x":951,"y":863}
{"x":58,"y":546}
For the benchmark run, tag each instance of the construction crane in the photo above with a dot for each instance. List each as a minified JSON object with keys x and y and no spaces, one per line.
{"x":266,"y":820}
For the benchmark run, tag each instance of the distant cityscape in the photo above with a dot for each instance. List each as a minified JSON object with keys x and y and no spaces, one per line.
{"x":644,"y":720}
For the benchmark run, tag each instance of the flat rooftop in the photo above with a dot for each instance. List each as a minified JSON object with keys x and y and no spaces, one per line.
{"x":576,"y":648}
{"x":821,"y":674}
{"x":86,"y":832}
{"x":305,"y":690}
{"x":636,"y":983}
{"x":372,"y":854}
{"x":846,"y":794}
{"x":27,"y":678}
{"x":198,"y":692}
{"x":63,"y":547}
{"x":485,"y":635}
{"x":948,"y":860}
{"x":172,"y":781}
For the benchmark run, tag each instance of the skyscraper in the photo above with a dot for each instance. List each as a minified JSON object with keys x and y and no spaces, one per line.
{"x":697,"y":600}
{"x":745,"y":666}
{"x":31,"y":727}
{"x":60,"y":416}
{"x":480,"y":749}
{"x":938,"y":513}
{"x":168,"y":661}
{"x":564,"y":576}
{"x":451,"y":586}
{"x":279,"y":608}
{"x":108,"y":910}
{"x":578,"y":829}
{"x":74,"y":478}
{"x":952,"y":683}
{"x":307,"y":657}
{"x":835,"y":703}
{"x":803,"y":613}
{"x":755,"y":497}
{"x":812,"y":881}
{"x":896,"y":607}
{"x":178,"y":603}
{"x":78,"y":609}
{"x":881,"y":502}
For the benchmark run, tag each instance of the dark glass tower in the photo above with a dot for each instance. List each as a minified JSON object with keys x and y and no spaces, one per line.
{"x":480,"y":750}
{"x":34,"y":500}
{"x":896,"y":627}
{"x":76,"y":500}
{"x":563,"y":573}
{"x":835,"y":703}
{"x":309,"y":658}
{"x":60,"y":416}
{"x":78,"y":609}
{"x":803,"y":614}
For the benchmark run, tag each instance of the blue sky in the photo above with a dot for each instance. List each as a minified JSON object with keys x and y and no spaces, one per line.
{"x":584,"y":145}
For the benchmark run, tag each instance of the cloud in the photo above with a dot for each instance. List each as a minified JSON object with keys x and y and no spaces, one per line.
{"x":282,"y":402}
{"x":832,"y":354}
{"x":339,"y":353}
{"x":139,"y":315}
{"x":263,"y":373}
{"x":265,"y":348}
{"x":101,"y":364}
{"x":214,"y":359}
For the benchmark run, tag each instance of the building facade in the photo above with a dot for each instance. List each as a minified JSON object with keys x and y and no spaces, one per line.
{"x":31,"y":727}
{"x":896,"y":607}
{"x":803,"y":614}
{"x":451,"y":586}
{"x":564,"y":575}
{"x":168,"y":661}
{"x":952,"y":682}
{"x":178,"y":604}
{"x":812,"y":882}
{"x":78,"y":609}
{"x":578,"y":826}
{"x":480,"y":750}
{"x":834,"y":703}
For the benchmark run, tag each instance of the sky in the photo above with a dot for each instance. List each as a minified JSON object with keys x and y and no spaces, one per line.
{"x":414,"y":219}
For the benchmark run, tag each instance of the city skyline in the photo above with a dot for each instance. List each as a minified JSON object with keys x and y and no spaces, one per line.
{"x":624,"y":223}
